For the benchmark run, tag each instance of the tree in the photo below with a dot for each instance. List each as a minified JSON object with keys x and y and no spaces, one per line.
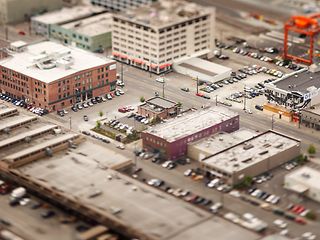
{"x":311,"y":149}
{"x":179,"y":104}
{"x":311,"y":215}
{"x":98,"y":124}
{"x":142,"y":99}
{"x":100,"y":114}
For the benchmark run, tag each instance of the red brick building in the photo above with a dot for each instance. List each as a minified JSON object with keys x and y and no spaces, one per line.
{"x":52,"y":76}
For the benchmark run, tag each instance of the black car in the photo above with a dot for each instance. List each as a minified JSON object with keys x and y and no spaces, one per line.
{"x":14,"y":202}
{"x":74,"y":108}
{"x":48,"y":214}
{"x":206,"y":97}
{"x":94,"y":101}
{"x":259,"y":107}
{"x":185,"y":89}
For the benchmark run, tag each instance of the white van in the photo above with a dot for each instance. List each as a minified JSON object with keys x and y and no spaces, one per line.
{"x":18,"y":193}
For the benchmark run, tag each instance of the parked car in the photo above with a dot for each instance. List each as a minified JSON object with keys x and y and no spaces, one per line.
{"x":85,"y":118}
{"x":185,"y":89}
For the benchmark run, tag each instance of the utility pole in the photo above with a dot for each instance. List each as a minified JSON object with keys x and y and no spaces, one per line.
{"x":272,"y":121}
{"x":244,"y":96}
{"x":221,"y":32}
{"x":70,"y":123}
{"x":150,"y":75}
{"x":122,"y":72}
{"x":163,"y":89}
{"x":197,"y":85}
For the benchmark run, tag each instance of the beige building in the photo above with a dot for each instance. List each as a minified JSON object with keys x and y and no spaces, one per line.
{"x":12,"y":11}
{"x":154,"y":37}
{"x":158,"y":107}
{"x":218,"y":142}
{"x":252,"y":157}
{"x":304,"y":181}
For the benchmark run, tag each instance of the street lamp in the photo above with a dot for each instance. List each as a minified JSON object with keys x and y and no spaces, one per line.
{"x":244,"y":96}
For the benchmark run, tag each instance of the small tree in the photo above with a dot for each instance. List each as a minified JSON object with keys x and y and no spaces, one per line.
{"x":311,"y":149}
{"x":311,"y":215}
{"x":100,"y":113}
{"x":179,"y":104}
{"x":142,"y":99}
{"x":98,"y":124}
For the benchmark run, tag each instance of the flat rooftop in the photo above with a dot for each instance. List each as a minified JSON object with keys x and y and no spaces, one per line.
{"x":306,"y":176}
{"x":160,"y":102}
{"x":68,"y":14}
{"x":26,"y":134}
{"x":49,"y":61}
{"x":222,"y":140}
{"x":41,"y":146}
{"x":10,"y":122}
{"x":250,"y":152}
{"x":91,"y":26}
{"x":164,"y":13}
{"x":191,"y":123}
{"x":79,"y":178}
{"x":204,"y":67}
{"x":5,"y":110}
{"x":299,"y":82}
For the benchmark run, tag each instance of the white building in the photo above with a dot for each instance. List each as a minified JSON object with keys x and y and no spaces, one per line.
{"x":304,"y":181}
{"x":119,"y":5}
{"x":203,"y":70}
{"x":41,"y":24}
{"x":153,"y":37}
{"x":12,"y":11}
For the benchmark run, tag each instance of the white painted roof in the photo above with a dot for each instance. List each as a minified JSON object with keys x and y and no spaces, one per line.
{"x":305,"y":176}
{"x":25,"y":62}
{"x":67,"y":14}
{"x":91,"y":26}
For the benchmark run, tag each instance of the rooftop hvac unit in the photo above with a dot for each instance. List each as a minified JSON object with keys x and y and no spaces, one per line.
{"x":49,"y":152}
{"x":305,"y":175}
{"x":27,"y":139}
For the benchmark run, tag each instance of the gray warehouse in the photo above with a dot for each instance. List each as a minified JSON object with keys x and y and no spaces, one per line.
{"x":252,"y":157}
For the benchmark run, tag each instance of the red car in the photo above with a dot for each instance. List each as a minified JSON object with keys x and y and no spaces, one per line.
{"x":5,"y":188}
{"x":199,"y":94}
{"x":122,"y":110}
{"x":21,"y":33}
{"x":300,"y":220}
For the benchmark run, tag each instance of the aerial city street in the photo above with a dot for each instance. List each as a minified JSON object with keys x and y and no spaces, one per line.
{"x":159,"y":120}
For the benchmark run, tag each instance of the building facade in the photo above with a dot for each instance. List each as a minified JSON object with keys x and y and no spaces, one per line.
{"x":93,"y":33}
{"x":41,"y":24}
{"x":296,"y":90}
{"x":120,"y":5}
{"x":153,"y":37}
{"x":171,"y":138}
{"x":52,"y":76}
{"x":311,"y":117}
{"x":158,"y":107}
{"x":13,"y":11}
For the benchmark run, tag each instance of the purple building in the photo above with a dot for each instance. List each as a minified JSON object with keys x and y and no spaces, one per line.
{"x":172,"y":137}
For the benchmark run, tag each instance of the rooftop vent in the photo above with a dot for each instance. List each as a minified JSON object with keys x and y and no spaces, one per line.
{"x":247,"y":146}
{"x":306,"y":175}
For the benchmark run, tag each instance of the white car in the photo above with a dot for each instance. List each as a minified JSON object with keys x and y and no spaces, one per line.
{"x":248,"y":111}
{"x":188,"y":172}
{"x":166,"y":164}
{"x":160,"y":79}
{"x":280,"y":223}
{"x":215,"y":207}
{"x":235,"y":193}
{"x":121,"y":146}
{"x":248,"y":216}
{"x":213,"y":183}
{"x":24,"y":201}
{"x":308,"y":236}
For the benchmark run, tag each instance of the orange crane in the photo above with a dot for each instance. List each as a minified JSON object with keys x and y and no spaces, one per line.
{"x":306,"y":25}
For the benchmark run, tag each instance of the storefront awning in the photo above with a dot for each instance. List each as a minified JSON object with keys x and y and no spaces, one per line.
{"x":137,"y":60}
{"x":115,"y":54}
